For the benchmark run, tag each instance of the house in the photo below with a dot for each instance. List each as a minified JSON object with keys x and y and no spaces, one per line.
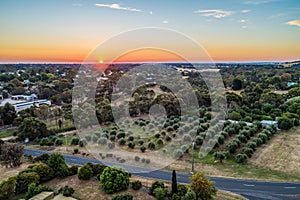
{"x":266,"y":123}
{"x":24,"y":97}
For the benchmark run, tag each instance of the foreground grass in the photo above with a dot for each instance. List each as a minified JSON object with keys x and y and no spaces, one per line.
{"x":7,"y":132}
{"x":230,"y":168}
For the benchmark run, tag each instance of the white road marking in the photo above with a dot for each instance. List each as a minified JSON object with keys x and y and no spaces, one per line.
{"x":248,"y":185}
{"x":290,"y":187}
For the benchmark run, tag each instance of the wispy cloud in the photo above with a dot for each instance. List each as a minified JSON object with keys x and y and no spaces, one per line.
{"x":151,"y":13}
{"x":76,"y":4}
{"x":243,"y":21}
{"x":216,"y":13}
{"x":294,"y":23}
{"x":245,"y":11}
{"x":118,"y":7}
{"x":243,"y":26}
{"x":165,"y":22}
{"x":258,"y":2}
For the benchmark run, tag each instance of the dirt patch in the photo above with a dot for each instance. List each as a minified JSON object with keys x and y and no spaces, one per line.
{"x":281,"y":153}
{"x":5,"y":173}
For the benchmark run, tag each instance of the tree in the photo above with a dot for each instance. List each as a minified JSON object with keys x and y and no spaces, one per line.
{"x":34,"y":189}
{"x":237,"y":84}
{"x":57,"y":162}
{"x":202,"y":186}
{"x":114,"y":179}
{"x":85,"y":172}
{"x":11,"y":154}
{"x":156,"y":184}
{"x":24,"y":179}
{"x":240,"y":158}
{"x":7,"y":113}
{"x":7,"y":188}
{"x":44,"y":171}
{"x":220,"y":155}
{"x":189,"y":195}
{"x":174,"y":183}
{"x":32,"y":128}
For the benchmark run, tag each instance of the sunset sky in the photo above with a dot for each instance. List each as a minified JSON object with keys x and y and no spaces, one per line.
{"x":229,"y":30}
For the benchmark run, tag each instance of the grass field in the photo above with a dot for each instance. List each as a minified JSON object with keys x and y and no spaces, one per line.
{"x":7,"y":132}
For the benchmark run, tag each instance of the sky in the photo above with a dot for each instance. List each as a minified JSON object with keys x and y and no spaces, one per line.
{"x":228,"y":30}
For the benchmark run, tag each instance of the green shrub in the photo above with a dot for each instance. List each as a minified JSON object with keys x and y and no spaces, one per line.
{"x":7,"y":188}
{"x":136,"y":185}
{"x":189,"y":195}
{"x":98,"y":169}
{"x":131,"y":145}
{"x":241,"y":158}
{"x":181,"y":190}
{"x":143,"y":149}
{"x":123,"y":197}
{"x":34,"y":189}
{"x":76,"y":151}
{"x":44,"y":171}
{"x":57,"y":163}
{"x":75,"y":141}
{"x":114,"y":179}
{"x":66,"y":191}
{"x":73,"y":170}
{"x":156,"y":184}
{"x":59,"y":142}
{"x":159,"y":193}
{"x":24,"y":179}
{"x":85,"y":172}
{"x":151,"y":146}
{"x":42,"y":158}
{"x":82,"y":143}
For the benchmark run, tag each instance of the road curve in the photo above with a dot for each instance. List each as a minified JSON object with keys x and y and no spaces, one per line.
{"x":256,"y":190}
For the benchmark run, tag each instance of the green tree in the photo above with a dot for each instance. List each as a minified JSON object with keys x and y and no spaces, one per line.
{"x":159,"y":193}
{"x":189,"y":195}
{"x":285,"y":123}
{"x":237,"y":84}
{"x":7,"y":114}
{"x":44,"y":171}
{"x":24,"y":179}
{"x":174,"y":183}
{"x":202,"y":186}
{"x":57,"y":162}
{"x":114,"y":179}
{"x":32,"y":128}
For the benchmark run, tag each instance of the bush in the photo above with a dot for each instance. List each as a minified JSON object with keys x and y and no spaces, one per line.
{"x":24,"y":179}
{"x":66,"y":191}
{"x":151,"y":146}
{"x":168,"y":138}
{"x":102,"y":141}
{"x":159,"y":141}
{"x":160,"y":193}
{"x":143,"y":149}
{"x":75,"y":141}
{"x":203,"y":187}
{"x":7,"y":188}
{"x":44,"y":171}
{"x":73,"y":170}
{"x":85,"y":172}
{"x":248,"y":151}
{"x":181,"y":190}
{"x":111,"y":145}
{"x":57,"y":163}
{"x":122,"y":141}
{"x":114,"y":179}
{"x":285,"y":123}
{"x":82,"y":143}
{"x":136,"y":185}
{"x":76,"y":151}
{"x":131,"y":145}
{"x":123,"y":197}
{"x":187,"y":138}
{"x":42,"y":158}
{"x":177,"y":153}
{"x":189,"y":195}
{"x":58,"y":142}
{"x":130,"y":138}
{"x":241,"y":158}
{"x":156,"y":184}
{"x":98,"y":169}
{"x":34,"y":189}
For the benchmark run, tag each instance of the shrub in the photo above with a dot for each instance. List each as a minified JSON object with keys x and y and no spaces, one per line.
{"x":202,"y":186}
{"x":177,"y":153}
{"x":130,"y":138}
{"x":34,"y":189}
{"x":185,"y":148}
{"x":24,"y":179}
{"x":181,"y":190}
{"x":82,"y":143}
{"x":168,"y":138}
{"x":187,"y":138}
{"x":114,"y":179}
{"x":111,"y":145}
{"x":85,"y":172}
{"x":219,"y":155}
{"x":159,"y":193}
{"x":122,"y":141}
{"x":252,"y":145}
{"x":75,"y":141}
{"x":248,"y":151}
{"x":57,"y":163}
{"x":143,"y":149}
{"x":123,"y":197}
{"x":98,"y":169}
{"x":141,"y":142}
{"x":73,"y":170}
{"x":66,"y":191}
{"x":263,"y":137}
{"x":285,"y":123}
{"x":58,"y":142}
{"x":121,"y":135}
{"x":156,"y":184}
{"x":136,"y":185}
{"x":241,"y":158}
{"x":137,"y":159}
{"x":44,"y":171}
{"x":42,"y":158}
{"x":151,"y":145}
{"x":159,"y":141}
{"x":76,"y":151}
{"x":88,"y":138}
{"x":102,"y":141}
{"x":189,"y":195}
{"x":131,"y":145}
{"x":7,"y":188}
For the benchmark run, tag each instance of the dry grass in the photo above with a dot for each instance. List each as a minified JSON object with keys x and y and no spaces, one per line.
{"x":281,"y":153}
{"x":9,"y":172}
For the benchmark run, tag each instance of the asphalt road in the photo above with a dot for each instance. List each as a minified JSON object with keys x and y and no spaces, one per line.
{"x":256,"y":190}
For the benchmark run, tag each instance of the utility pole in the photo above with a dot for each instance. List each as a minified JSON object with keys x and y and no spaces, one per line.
{"x":193,"y":161}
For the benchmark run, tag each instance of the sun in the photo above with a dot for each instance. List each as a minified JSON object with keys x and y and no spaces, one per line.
{"x":101,"y":61}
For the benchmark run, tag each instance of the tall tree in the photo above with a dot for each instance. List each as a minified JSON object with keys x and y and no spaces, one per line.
{"x":7,"y":113}
{"x":11,"y":154}
{"x":174,"y":183}
{"x":32,"y":128}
